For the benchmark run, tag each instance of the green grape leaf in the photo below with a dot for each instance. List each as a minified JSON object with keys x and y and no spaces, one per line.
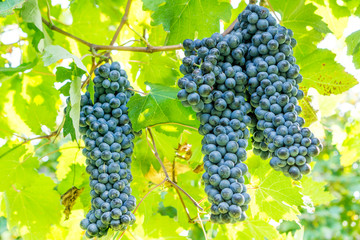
{"x":167,"y":211}
{"x":40,"y":96}
{"x":75,"y":97}
{"x":33,"y":206}
{"x":31,"y":14}
{"x":158,"y":36}
{"x":357,"y":11}
{"x":316,"y":191}
{"x":91,"y":90}
{"x":16,"y":165}
{"x":191,"y":182}
{"x":68,"y":127}
{"x":300,"y":17}
{"x":54,"y":53}
{"x":79,"y":178}
{"x":160,"y":105}
{"x":339,"y":11}
{"x":335,"y":25}
{"x":143,"y":156}
{"x":196,"y":233}
{"x":150,"y":218}
{"x":5,"y":129}
{"x":321,"y":72}
{"x":353,"y":46}
{"x":71,"y":125}
{"x":164,"y":73}
{"x":273,"y":194}
{"x":288,"y":226}
{"x":152,"y":5}
{"x":257,"y":230}
{"x":83,"y":25}
{"x":168,"y":232}
{"x":308,"y":112}
{"x":63,"y":73}
{"x":193,"y":139}
{"x":165,"y":144}
{"x":21,"y":68}
{"x":70,"y":154}
{"x":65,"y":89}
{"x":172,"y":201}
{"x":182,"y":17}
{"x":6,"y":7}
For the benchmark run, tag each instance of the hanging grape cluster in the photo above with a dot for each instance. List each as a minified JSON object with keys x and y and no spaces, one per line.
{"x":247,"y":79}
{"x":214,"y":86}
{"x":273,"y":88}
{"x":107,"y":133}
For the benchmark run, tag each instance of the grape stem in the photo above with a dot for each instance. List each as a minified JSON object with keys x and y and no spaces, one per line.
{"x":272,"y":9}
{"x":167,"y":178}
{"x":173,"y":123}
{"x":141,"y":37}
{"x":96,"y":47}
{"x":26,"y":140}
{"x":155,"y":151}
{"x":202,"y":225}
{"x":230,"y":28}
{"x":185,"y":208}
{"x":147,"y":194}
{"x":137,"y":91}
{"x":148,"y":49}
{"x":122,"y":23}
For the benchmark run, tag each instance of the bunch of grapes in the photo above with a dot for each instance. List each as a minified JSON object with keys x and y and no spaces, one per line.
{"x":108,"y":137}
{"x":273,"y":78}
{"x":247,"y":78}
{"x":214,"y":86}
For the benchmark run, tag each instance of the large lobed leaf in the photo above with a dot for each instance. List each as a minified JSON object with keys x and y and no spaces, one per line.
{"x":300,"y":17}
{"x":321,"y":72}
{"x":32,"y":204}
{"x":33,"y":207}
{"x":318,"y":66}
{"x":316,"y":191}
{"x":258,"y":230}
{"x":160,"y":105}
{"x":70,"y":154}
{"x":273,"y":195}
{"x":189,"y":18}
{"x":39,"y":97}
{"x":16,"y":165}
{"x":55,"y":53}
{"x":155,"y":68}
{"x":308,"y":111}
{"x":31,"y":14}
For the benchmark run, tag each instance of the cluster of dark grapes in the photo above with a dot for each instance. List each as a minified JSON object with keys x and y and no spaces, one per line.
{"x":247,"y":78}
{"x":107,"y":133}
{"x":214,"y":85}
{"x":273,"y":91}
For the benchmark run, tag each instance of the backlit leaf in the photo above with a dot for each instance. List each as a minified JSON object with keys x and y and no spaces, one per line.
{"x":160,"y":105}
